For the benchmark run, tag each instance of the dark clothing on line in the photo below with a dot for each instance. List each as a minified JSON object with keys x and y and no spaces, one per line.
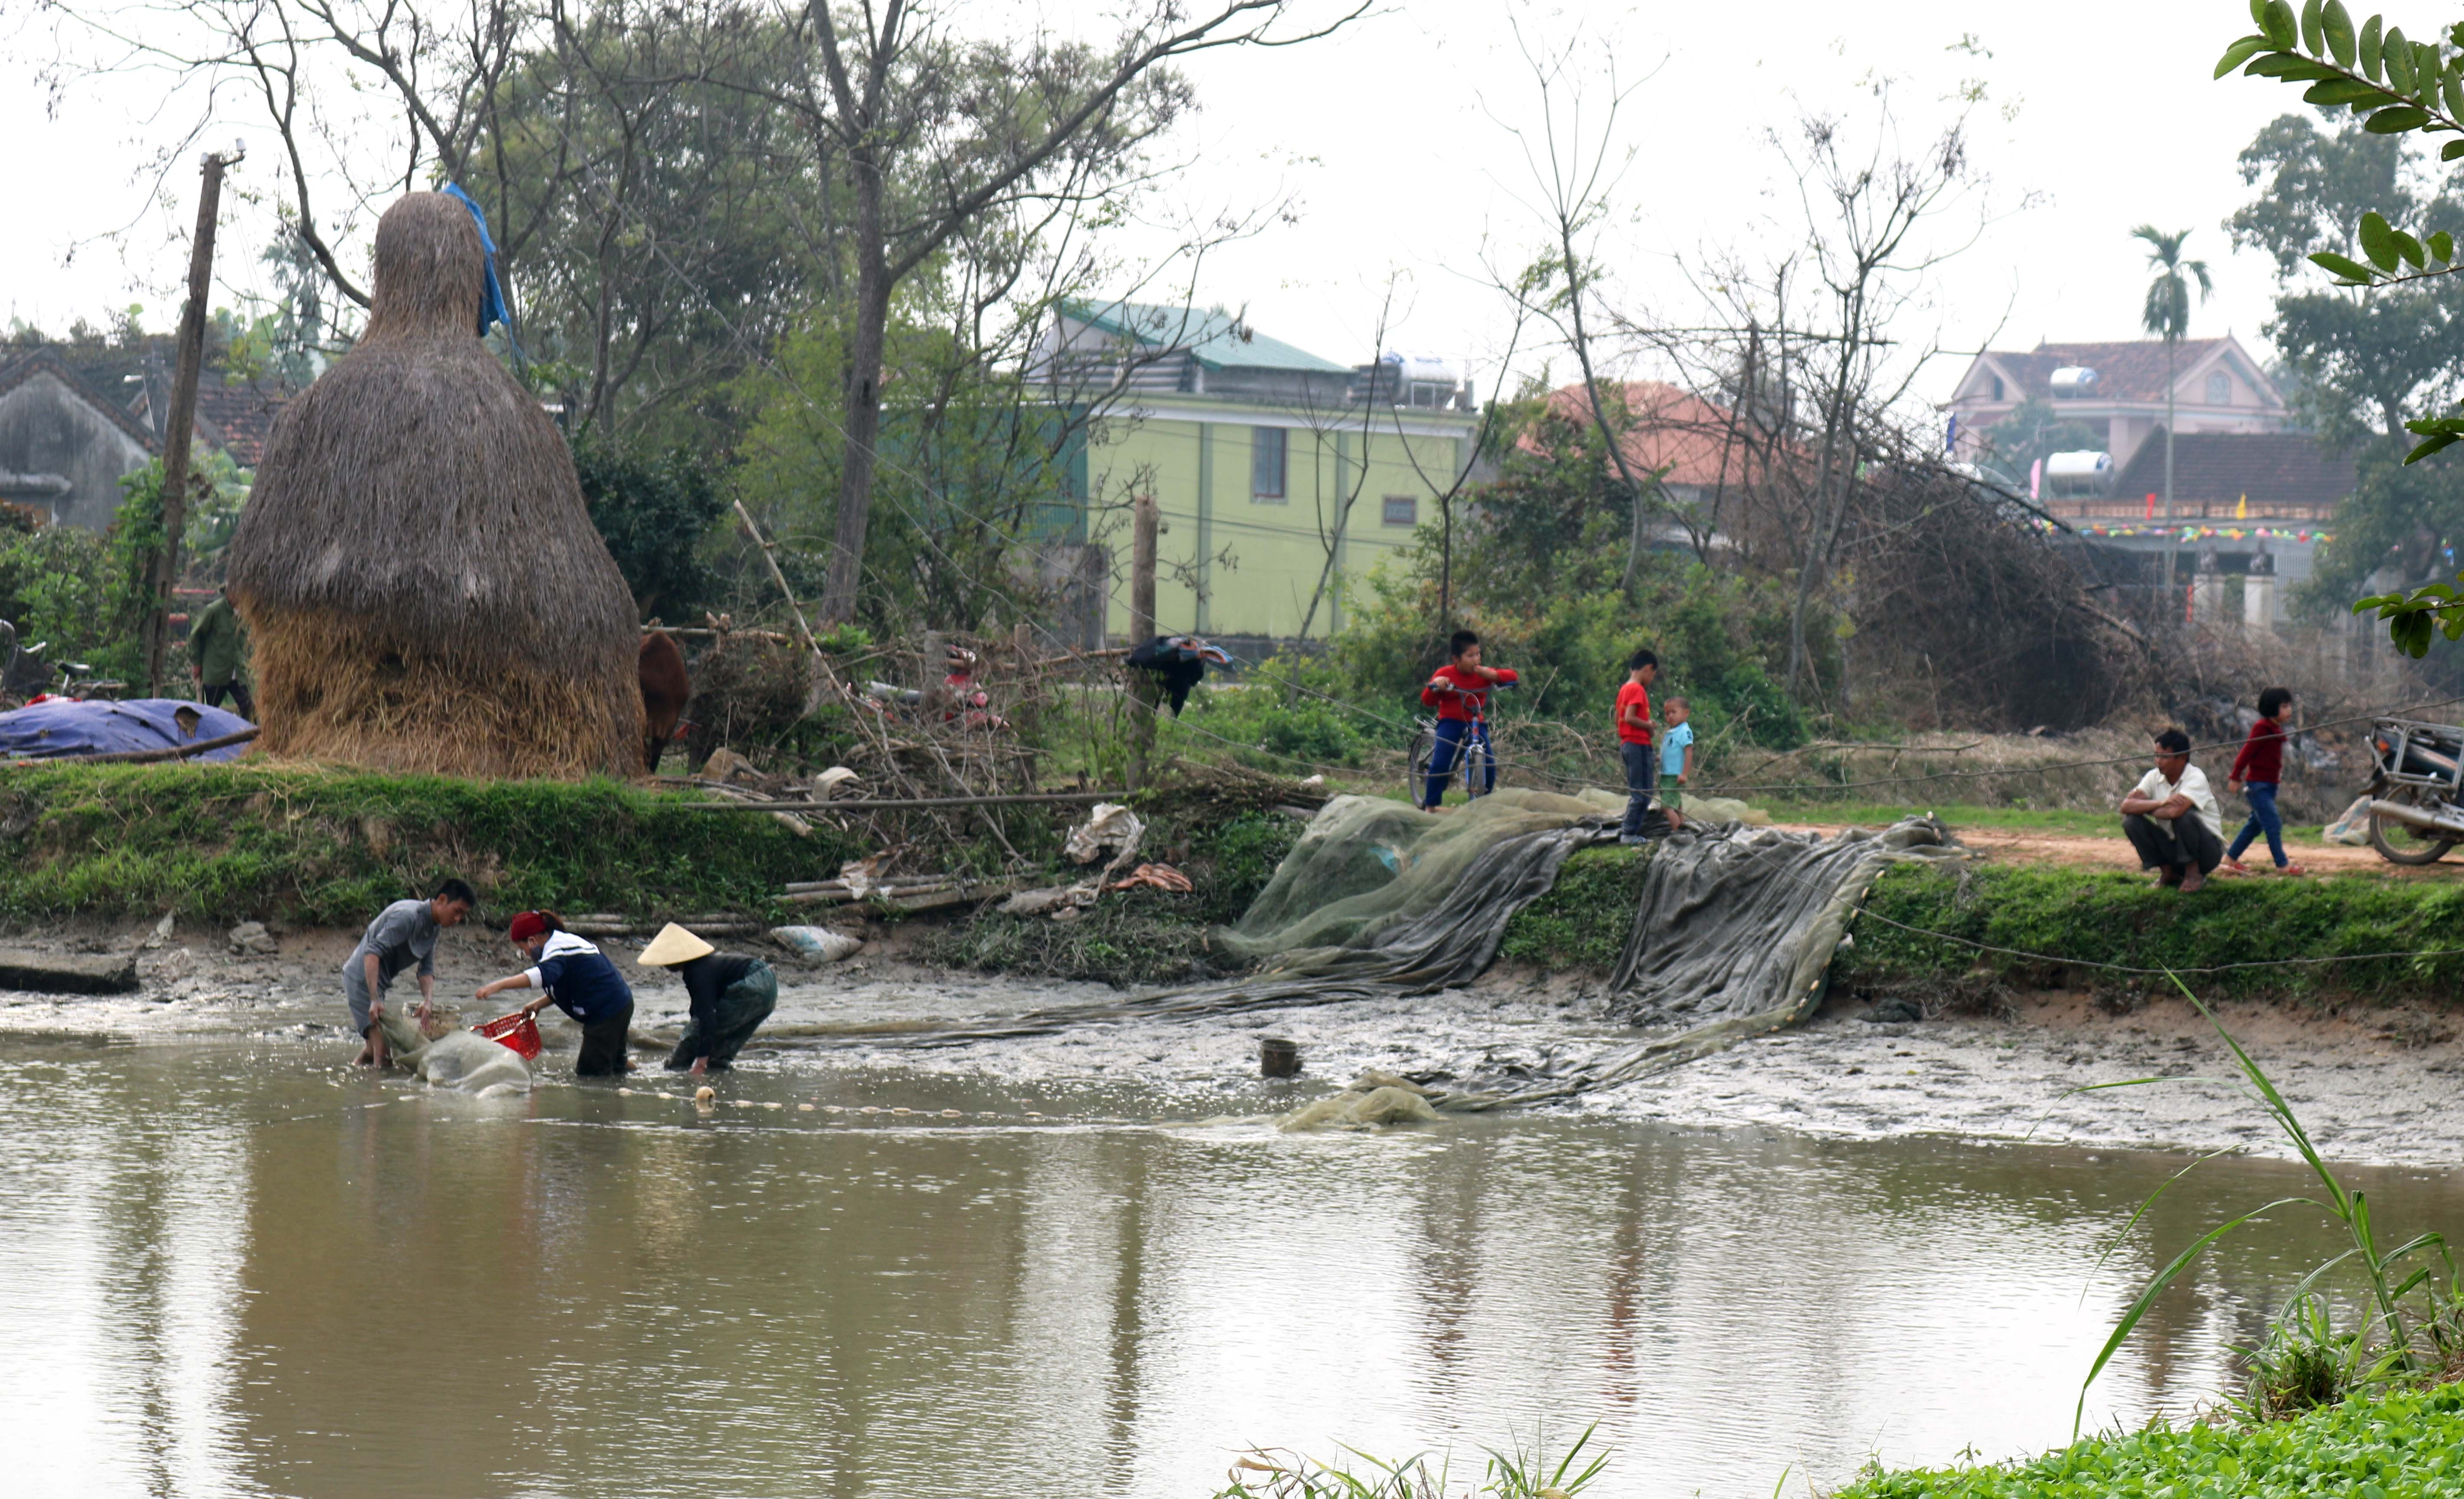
{"x":237,"y":692}
{"x":603,"y":1044}
{"x":2262,"y":754}
{"x":1451,"y":735}
{"x":1642,"y":780}
{"x":2263,"y":819}
{"x":732,"y":996}
{"x":2182,"y":841}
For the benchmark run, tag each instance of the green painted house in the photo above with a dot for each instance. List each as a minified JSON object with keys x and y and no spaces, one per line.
{"x":1272,"y":467}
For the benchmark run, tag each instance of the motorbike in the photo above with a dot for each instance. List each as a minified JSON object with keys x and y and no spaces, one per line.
{"x":2416,"y":790}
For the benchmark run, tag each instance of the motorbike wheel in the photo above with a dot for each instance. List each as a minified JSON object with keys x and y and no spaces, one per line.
{"x":2401,"y":843}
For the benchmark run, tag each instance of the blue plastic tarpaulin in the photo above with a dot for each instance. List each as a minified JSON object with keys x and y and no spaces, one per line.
{"x":48,"y":731}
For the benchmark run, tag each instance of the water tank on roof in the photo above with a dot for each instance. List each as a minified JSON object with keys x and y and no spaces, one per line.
{"x":2079,"y":465}
{"x":1425,"y":370}
{"x":2074,"y":379}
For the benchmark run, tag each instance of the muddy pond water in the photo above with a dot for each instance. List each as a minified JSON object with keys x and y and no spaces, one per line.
{"x":229,"y":1267}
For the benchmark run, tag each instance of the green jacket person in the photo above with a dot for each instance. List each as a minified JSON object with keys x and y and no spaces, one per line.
{"x":217,"y":640}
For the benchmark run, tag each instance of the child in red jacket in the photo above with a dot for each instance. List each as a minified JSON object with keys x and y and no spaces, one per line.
{"x":2254,"y":774}
{"x":1460,"y":691}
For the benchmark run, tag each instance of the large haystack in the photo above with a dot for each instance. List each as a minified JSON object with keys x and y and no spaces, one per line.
{"x":423,"y":582}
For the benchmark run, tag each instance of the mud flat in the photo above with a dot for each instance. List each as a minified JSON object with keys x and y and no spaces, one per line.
{"x":2374,"y":1084}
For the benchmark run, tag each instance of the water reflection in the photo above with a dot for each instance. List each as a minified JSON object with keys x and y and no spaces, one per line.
{"x":227,"y":1273}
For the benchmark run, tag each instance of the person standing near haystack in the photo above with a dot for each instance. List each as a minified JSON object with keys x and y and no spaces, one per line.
{"x":423,"y":587}
{"x":216,"y":642}
{"x":730,"y":993}
{"x":576,"y":977}
{"x":403,"y":934}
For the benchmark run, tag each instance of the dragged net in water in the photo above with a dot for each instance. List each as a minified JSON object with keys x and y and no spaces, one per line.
{"x":1732,"y":937}
{"x":461,"y":1060}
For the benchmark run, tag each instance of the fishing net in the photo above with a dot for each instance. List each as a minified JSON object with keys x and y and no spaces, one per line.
{"x":461,"y":1060}
{"x":1732,"y":936}
{"x":1376,"y":886}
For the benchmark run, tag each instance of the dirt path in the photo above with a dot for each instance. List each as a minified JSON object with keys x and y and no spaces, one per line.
{"x":2080,"y":850}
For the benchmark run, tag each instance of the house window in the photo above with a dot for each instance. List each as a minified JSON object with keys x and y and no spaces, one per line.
{"x":1267,"y":464}
{"x":1998,"y":388}
{"x":1403,"y":510}
{"x":2219,"y":388}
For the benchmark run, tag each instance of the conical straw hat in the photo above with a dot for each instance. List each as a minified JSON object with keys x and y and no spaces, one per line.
{"x":673,"y":945}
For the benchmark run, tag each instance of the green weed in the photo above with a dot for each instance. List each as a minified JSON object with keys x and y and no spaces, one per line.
{"x":1582,"y":921}
{"x":1521,"y":1470}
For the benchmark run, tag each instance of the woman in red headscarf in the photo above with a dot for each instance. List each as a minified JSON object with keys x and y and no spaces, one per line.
{"x":578,"y":979}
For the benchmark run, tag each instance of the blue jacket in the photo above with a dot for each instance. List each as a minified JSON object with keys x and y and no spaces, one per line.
{"x":580,"y":979}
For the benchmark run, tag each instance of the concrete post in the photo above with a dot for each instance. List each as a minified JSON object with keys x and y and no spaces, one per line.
{"x":2258,"y":602}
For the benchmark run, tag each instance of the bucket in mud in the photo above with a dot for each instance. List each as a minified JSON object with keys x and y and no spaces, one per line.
{"x":1278,"y":1057}
{"x":520,"y":1034}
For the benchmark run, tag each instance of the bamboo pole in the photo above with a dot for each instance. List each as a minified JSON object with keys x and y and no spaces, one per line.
{"x":145,"y":756}
{"x":884,"y":805}
{"x":1143,"y":687}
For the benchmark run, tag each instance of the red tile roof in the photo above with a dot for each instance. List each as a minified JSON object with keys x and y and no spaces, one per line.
{"x":2132,"y":371}
{"x":1667,"y":427}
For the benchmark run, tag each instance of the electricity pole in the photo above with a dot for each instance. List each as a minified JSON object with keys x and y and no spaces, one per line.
{"x":182,"y":418}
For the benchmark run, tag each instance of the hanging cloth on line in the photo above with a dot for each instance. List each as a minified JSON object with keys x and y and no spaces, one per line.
{"x":492,"y":293}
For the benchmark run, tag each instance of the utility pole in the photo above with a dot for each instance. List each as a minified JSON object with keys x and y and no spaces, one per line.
{"x":2169,"y":341}
{"x":1142,"y":628}
{"x":182,"y":418}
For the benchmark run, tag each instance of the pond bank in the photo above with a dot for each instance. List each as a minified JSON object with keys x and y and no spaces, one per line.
{"x":2375,"y":1085}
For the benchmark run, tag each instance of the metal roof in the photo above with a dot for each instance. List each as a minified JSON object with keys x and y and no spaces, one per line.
{"x":1215,"y":340}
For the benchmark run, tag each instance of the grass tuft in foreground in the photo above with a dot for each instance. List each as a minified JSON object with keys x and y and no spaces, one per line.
{"x":2401,"y":1445}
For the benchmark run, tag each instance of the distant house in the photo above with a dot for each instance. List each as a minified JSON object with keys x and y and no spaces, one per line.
{"x":1253,"y":448}
{"x":2118,"y":390}
{"x":1698,"y":448}
{"x":73,"y":426}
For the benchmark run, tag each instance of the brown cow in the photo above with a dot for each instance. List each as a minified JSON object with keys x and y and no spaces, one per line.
{"x":665,"y":688}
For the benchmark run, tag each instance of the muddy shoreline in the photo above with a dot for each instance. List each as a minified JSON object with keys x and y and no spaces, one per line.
{"x":2374,"y":1084}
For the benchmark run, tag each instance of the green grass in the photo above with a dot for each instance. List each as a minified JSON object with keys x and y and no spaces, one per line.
{"x":2398,"y":1447}
{"x":2081,"y":917}
{"x":325,"y":847}
{"x":1582,"y":921}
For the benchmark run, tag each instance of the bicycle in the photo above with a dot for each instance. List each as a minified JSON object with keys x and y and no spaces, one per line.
{"x":1475,"y":762}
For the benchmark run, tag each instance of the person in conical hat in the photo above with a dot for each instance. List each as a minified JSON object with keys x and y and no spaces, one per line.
{"x":731,"y":995}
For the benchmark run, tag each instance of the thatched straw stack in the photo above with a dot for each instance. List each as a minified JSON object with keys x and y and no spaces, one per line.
{"x":421,"y":581}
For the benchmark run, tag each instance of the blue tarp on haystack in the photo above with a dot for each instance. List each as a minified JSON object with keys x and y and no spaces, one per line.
{"x":47,"y":731}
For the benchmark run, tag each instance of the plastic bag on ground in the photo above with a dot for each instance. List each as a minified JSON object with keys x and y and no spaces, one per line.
{"x":817,"y":942}
{"x":1108,"y":825}
{"x":2353,"y":829}
{"x":1720,"y":809}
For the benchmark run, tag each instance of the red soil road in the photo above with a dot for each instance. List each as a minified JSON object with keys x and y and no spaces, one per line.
{"x":2077,"y":850}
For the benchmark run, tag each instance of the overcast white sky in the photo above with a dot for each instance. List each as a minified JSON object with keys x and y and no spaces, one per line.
{"x":1392,"y":138}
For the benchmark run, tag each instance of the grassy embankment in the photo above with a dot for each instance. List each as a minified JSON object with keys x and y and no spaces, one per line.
{"x":2078,"y":918}
{"x":309,"y":847}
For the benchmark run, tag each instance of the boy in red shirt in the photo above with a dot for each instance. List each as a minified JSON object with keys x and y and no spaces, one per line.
{"x":2254,"y":774}
{"x":1633,"y":743}
{"x":1460,"y":691}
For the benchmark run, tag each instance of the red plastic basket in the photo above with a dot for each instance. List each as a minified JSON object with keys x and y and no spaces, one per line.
{"x":517,"y":1033}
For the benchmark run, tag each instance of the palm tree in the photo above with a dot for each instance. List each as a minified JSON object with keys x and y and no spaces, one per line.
{"x":2167,"y":316}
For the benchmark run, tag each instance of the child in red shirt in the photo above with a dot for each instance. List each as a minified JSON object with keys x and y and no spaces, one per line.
{"x":1460,"y":691}
{"x":1633,"y":743}
{"x":2254,"y":774}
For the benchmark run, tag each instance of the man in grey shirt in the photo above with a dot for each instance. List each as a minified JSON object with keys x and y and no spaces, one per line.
{"x":403,"y":934}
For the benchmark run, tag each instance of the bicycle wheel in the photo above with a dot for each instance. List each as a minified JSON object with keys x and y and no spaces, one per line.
{"x":1479,"y":760}
{"x":1416,"y":764}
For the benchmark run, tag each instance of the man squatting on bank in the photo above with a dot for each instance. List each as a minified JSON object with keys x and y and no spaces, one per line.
{"x":2172,"y":819}
{"x":403,"y":934}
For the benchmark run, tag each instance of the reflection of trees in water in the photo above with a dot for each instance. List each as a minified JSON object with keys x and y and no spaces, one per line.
{"x":123,"y":1208}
